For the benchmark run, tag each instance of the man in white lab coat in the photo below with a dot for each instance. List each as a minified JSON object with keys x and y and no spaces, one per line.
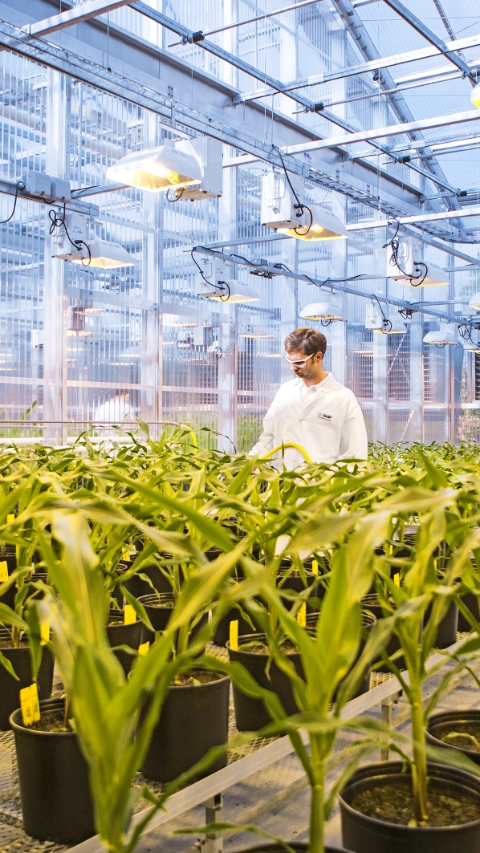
{"x":313,"y":410}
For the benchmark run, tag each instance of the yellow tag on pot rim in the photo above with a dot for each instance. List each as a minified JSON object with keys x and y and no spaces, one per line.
{"x":44,"y":633}
{"x":3,"y":571}
{"x":234,"y":635}
{"x":29,"y":704}
{"x":10,"y":518}
{"x":129,"y":615}
{"x":302,"y":615}
{"x":396,"y":579}
{"x":143,"y":648}
{"x":126,"y":555}
{"x":314,"y":567}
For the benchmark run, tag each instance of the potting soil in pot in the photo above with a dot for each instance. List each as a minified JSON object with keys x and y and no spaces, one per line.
{"x":464,"y":736}
{"x":393,"y":803}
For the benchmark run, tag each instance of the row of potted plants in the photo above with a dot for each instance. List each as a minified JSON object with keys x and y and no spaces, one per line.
{"x":197,"y":538}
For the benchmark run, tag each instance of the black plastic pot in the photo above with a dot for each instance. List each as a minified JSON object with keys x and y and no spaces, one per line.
{"x":363,"y":834}
{"x":368,"y":621}
{"x":250,"y":713}
{"x":53,"y":777}
{"x":194,"y":718}
{"x":8,"y":597}
{"x":293,"y":582}
{"x":471,"y":601}
{"x":159,"y":608}
{"x":298,"y":846}
{"x":9,"y":686}
{"x":120,"y":634}
{"x":372,"y":604}
{"x":222,"y":631}
{"x":447,"y":630}
{"x":137,"y":586}
{"x":445,"y":722}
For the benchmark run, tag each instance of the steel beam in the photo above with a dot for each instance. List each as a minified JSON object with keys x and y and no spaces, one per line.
{"x":420,"y":217}
{"x":378,"y":64}
{"x":164,"y":21}
{"x":199,"y":116}
{"x":208,"y":117}
{"x":276,"y":85}
{"x":343,"y":287}
{"x":83,"y":12}
{"x":292,"y":8}
{"x":382,"y":132}
{"x":430,"y":36}
{"x":354,"y":25}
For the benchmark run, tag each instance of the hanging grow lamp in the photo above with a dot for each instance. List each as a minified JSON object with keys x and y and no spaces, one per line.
{"x":377,"y":321}
{"x":315,"y":223}
{"x":475,"y":302}
{"x":321,"y":311}
{"x":101,"y":254}
{"x":157,"y":169}
{"x":475,"y":96}
{"x":231,"y":291}
{"x":442,"y":338}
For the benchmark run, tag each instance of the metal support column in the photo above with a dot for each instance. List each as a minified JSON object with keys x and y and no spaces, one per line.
{"x":152,"y":268}
{"x":55,"y":302}
{"x":213,"y":814}
{"x":228,"y":329}
{"x":387,"y":706}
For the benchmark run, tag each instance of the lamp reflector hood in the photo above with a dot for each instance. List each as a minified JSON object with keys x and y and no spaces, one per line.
{"x":103,"y":255}
{"x":315,"y":223}
{"x":440,"y":339}
{"x":392,"y":326}
{"x":378,"y":321}
{"x":321,"y":311}
{"x":156,"y":169}
{"x":475,"y":301}
{"x":232,"y":291}
{"x":475,"y":96}
{"x":435,"y":277}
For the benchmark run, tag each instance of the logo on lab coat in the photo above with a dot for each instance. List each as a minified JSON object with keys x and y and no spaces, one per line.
{"x":324,"y":416}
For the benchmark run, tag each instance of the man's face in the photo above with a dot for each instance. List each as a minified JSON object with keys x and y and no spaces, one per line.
{"x":304,"y":366}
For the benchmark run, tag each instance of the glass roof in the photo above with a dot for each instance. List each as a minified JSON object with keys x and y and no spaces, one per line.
{"x":447,"y":20}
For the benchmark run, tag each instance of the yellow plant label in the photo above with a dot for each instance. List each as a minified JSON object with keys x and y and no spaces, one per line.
{"x":10,"y":518}
{"x":302,"y":615}
{"x":3,"y":571}
{"x":143,"y":648}
{"x":35,"y":702}
{"x":129,"y":615}
{"x":29,"y":704}
{"x":125,"y":554}
{"x":234,"y":635}
{"x":314,"y":567}
{"x":396,"y":579}
{"x":44,"y":633}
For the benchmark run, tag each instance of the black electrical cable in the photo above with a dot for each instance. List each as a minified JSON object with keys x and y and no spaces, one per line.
{"x":465,"y":331}
{"x":18,"y":186}
{"x":57,"y":221}
{"x":250,"y":263}
{"x":225,"y":295}
{"x":299,"y":207}
{"x":176,"y":197}
{"x":387,"y":324}
{"x":394,"y":261}
{"x":210,"y":283}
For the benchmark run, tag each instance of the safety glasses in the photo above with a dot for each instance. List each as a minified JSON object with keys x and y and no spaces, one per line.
{"x":301,"y":362}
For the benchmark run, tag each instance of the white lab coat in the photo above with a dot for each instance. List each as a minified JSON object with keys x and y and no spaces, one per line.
{"x":325,"y":419}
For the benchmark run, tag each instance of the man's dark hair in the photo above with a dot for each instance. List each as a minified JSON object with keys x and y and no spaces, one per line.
{"x":307,"y":340}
